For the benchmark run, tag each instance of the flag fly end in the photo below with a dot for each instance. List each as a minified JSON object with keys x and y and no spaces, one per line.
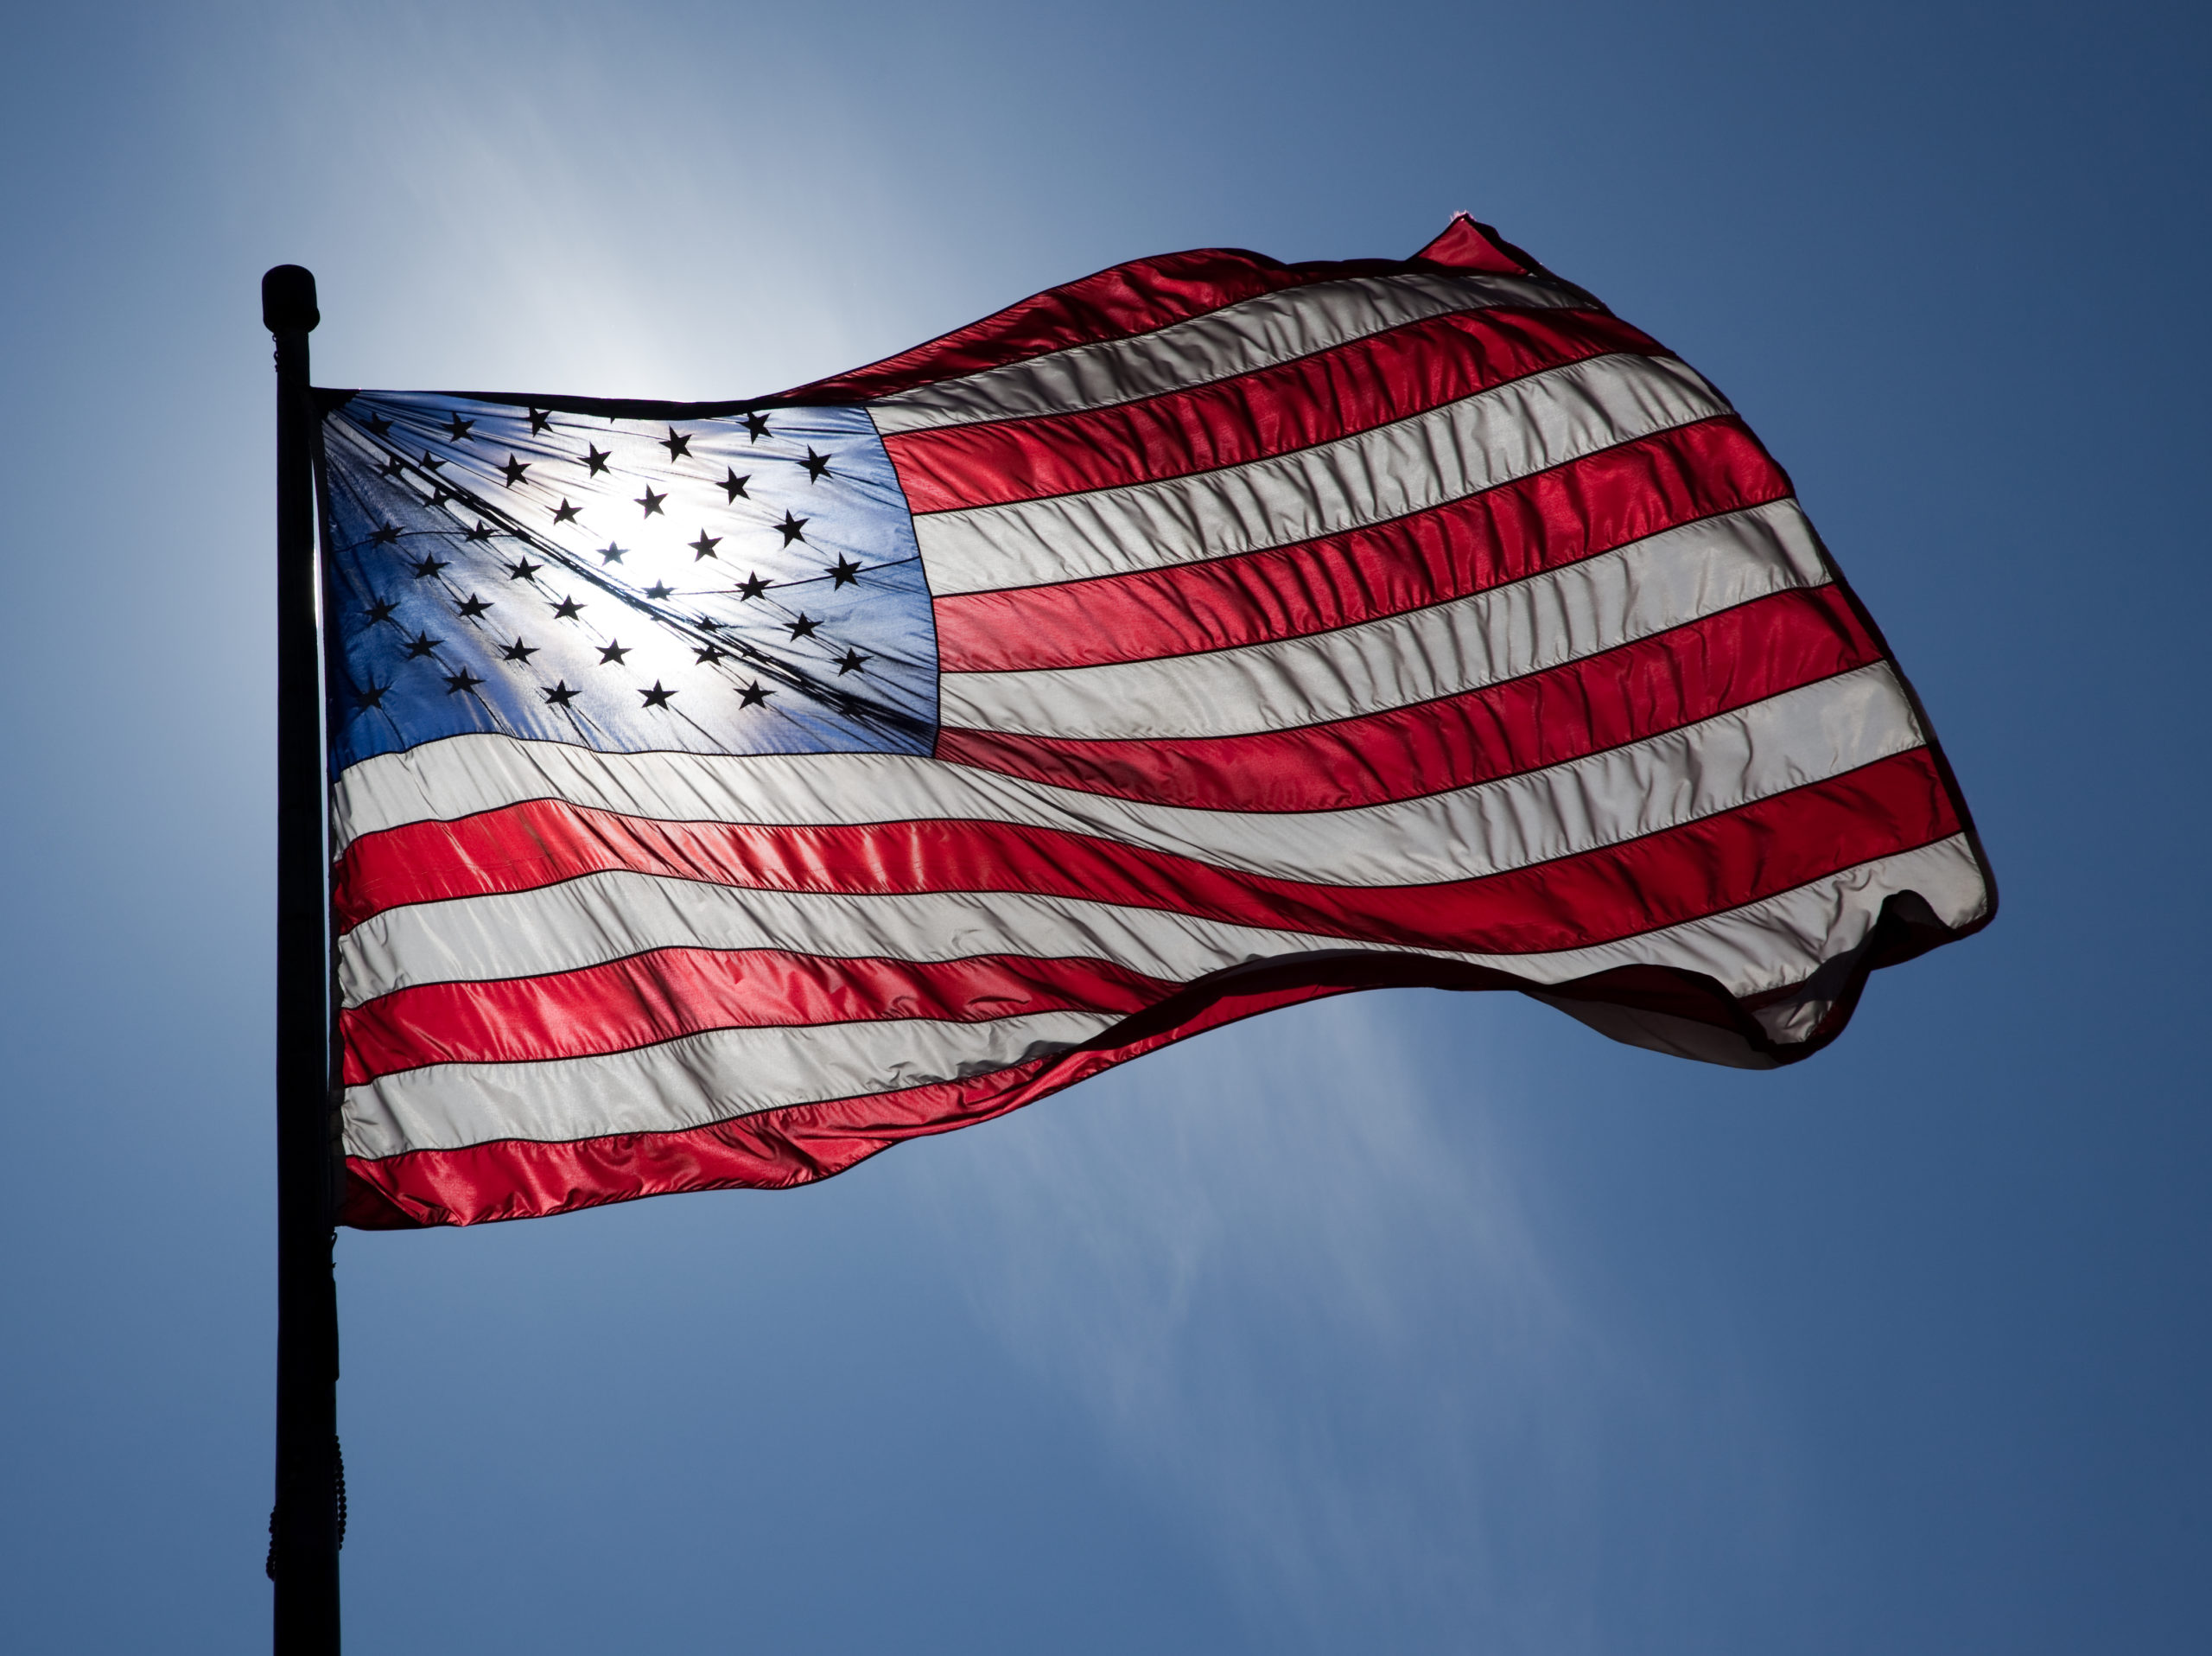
{"x":1467,"y":244}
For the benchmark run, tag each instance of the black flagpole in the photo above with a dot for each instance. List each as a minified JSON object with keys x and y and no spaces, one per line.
{"x":304,"y":1529}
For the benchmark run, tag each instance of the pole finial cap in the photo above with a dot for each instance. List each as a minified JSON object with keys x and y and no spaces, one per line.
{"x":287,"y":300}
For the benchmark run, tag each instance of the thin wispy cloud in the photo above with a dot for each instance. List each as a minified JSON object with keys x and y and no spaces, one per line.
{"x":1302,"y":1293}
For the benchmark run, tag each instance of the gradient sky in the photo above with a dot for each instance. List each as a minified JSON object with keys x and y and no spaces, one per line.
{"x":1412,"y":1322}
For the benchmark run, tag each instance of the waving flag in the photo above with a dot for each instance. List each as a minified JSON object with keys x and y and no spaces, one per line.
{"x":723,"y":792}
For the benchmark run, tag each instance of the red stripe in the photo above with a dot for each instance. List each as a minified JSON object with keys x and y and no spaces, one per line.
{"x":773,"y":1150}
{"x":1518,"y":529}
{"x":1724,"y":861}
{"x":779,"y":1149}
{"x":1141,"y":295}
{"x":668,"y":993}
{"x":1118,"y":303}
{"x":1313,"y":399}
{"x":1466,"y":244}
{"x":800,"y":1143}
{"x":1661,"y":683}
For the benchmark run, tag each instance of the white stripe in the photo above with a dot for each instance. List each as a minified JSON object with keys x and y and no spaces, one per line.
{"x":606,"y":917}
{"x":711,"y":1077}
{"x":1236,"y":339}
{"x":690,"y":1081}
{"x":1410,"y":465}
{"x":1599,"y":604}
{"x":1802,"y":735}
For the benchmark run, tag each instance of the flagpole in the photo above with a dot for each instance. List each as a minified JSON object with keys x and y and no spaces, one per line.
{"x":304,"y":1530}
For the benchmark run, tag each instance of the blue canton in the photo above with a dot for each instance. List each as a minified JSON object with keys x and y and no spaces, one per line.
{"x":738,"y":585}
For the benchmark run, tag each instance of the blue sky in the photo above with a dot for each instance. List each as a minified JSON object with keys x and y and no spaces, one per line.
{"x":1412,"y":1322}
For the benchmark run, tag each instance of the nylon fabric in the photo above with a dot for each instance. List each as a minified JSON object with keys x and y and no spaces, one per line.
{"x":724,"y":793}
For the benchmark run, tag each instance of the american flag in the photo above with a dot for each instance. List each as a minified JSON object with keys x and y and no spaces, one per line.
{"x":723,"y":792}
